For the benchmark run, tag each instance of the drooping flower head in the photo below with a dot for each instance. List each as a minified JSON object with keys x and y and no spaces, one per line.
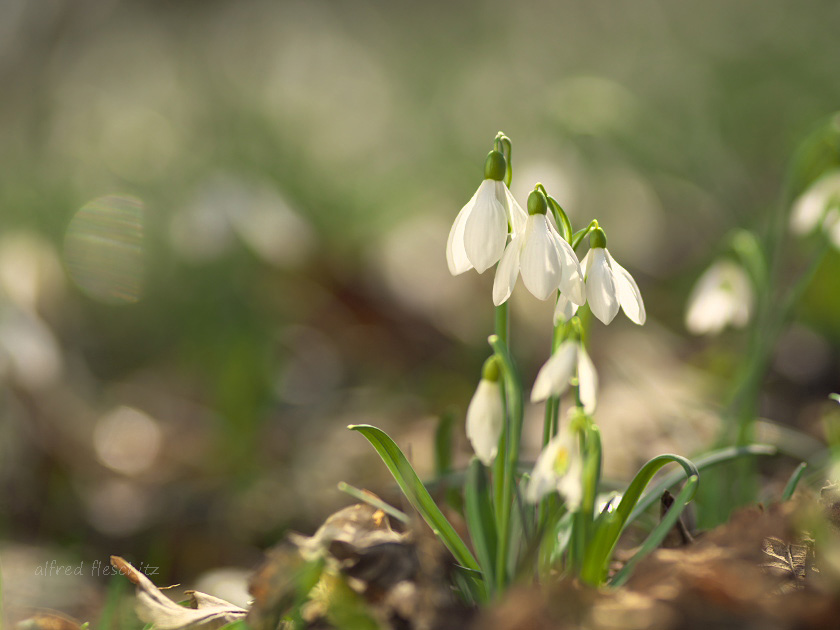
{"x":819,"y":207}
{"x":722,"y":296}
{"x":569,"y":362}
{"x":479,"y":234}
{"x":486,"y":413}
{"x":559,"y":468}
{"x":543,"y":258}
{"x":608,"y":284}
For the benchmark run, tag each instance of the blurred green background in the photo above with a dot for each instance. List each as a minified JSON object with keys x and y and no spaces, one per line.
{"x":222,"y":230}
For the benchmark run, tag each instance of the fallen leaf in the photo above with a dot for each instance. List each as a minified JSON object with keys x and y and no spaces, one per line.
{"x":154,"y":607}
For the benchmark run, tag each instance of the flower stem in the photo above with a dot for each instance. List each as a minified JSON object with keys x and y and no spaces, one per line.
{"x":513,"y":392}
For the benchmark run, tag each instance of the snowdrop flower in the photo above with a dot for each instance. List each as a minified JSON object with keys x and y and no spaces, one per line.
{"x":819,"y":206}
{"x":556,"y":375}
{"x":608,"y":284}
{"x":545,"y":260}
{"x":479,"y":234}
{"x":564,"y":310}
{"x":723,"y":295}
{"x":559,"y":468}
{"x":486,"y":413}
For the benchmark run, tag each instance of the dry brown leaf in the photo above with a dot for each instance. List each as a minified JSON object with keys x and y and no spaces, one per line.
{"x":790,"y":561}
{"x":155,"y":607}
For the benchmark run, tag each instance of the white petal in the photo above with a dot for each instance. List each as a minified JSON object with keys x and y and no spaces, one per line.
{"x":547,"y":478}
{"x":486,"y":228}
{"x":571,"y":282}
{"x":587,"y":381}
{"x":810,"y":207}
{"x":723,"y":295}
{"x":456,"y":255}
{"x":564,"y":310}
{"x":507,"y":271}
{"x":584,"y":264}
{"x":628,"y":292}
{"x":554,"y":376}
{"x":832,"y":227}
{"x":485,"y":420}
{"x":600,"y":286}
{"x":518,"y":216}
{"x":540,"y":261}
{"x":544,"y":478}
{"x":570,"y":485}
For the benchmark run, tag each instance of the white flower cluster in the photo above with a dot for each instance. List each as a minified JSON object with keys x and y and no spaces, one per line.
{"x":493,"y":228}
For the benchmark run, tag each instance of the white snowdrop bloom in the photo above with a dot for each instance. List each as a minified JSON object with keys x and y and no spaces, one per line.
{"x":486,"y":414}
{"x":608,"y":284}
{"x":559,"y":468}
{"x":722,"y":296}
{"x":556,"y":375}
{"x":479,"y":234}
{"x":543,"y":258}
{"x":564,"y":310}
{"x":819,"y":206}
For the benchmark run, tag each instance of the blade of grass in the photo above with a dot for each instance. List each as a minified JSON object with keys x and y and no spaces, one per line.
{"x":702,"y":463}
{"x":416,"y":493}
{"x":660,"y":531}
{"x":598,"y":553}
{"x":480,"y":520}
{"x":790,"y":488}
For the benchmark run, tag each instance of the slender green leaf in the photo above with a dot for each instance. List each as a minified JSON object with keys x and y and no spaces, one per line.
{"x":790,"y":488}
{"x":371,"y":499}
{"x":515,"y":407}
{"x":599,"y":551}
{"x":707,"y":461}
{"x":416,"y":493}
{"x":480,"y":519}
{"x":660,"y":531}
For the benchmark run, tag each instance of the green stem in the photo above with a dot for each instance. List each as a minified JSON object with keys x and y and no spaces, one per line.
{"x":502,"y":327}
{"x":513,"y":390}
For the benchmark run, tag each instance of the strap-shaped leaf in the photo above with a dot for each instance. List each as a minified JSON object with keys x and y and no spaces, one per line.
{"x":599,"y":551}
{"x":416,"y":493}
{"x":658,"y":534}
{"x":480,"y":519}
{"x":702,"y":463}
{"x":790,"y":488}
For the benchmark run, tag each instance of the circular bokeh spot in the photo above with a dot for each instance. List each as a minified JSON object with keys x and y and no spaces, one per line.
{"x":104,"y":249}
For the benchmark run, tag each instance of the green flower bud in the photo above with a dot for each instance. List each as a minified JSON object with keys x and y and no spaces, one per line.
{"x":597,"y":238}
{"x":537,"y":203}
{"x":495,"y":166}
{"x":491,"y":371}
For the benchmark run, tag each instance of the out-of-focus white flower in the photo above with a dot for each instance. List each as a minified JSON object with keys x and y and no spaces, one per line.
{"x":559,"y":468}
{"x":478,"y":236}
{"x":486,"y":414}
{"x":545,"y":260}
{"x":564,"y":309}
{"x":722,"y":296}
{"x":556,"y":375}
{"x":819,"y":206}
{"x":609,"y":285}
